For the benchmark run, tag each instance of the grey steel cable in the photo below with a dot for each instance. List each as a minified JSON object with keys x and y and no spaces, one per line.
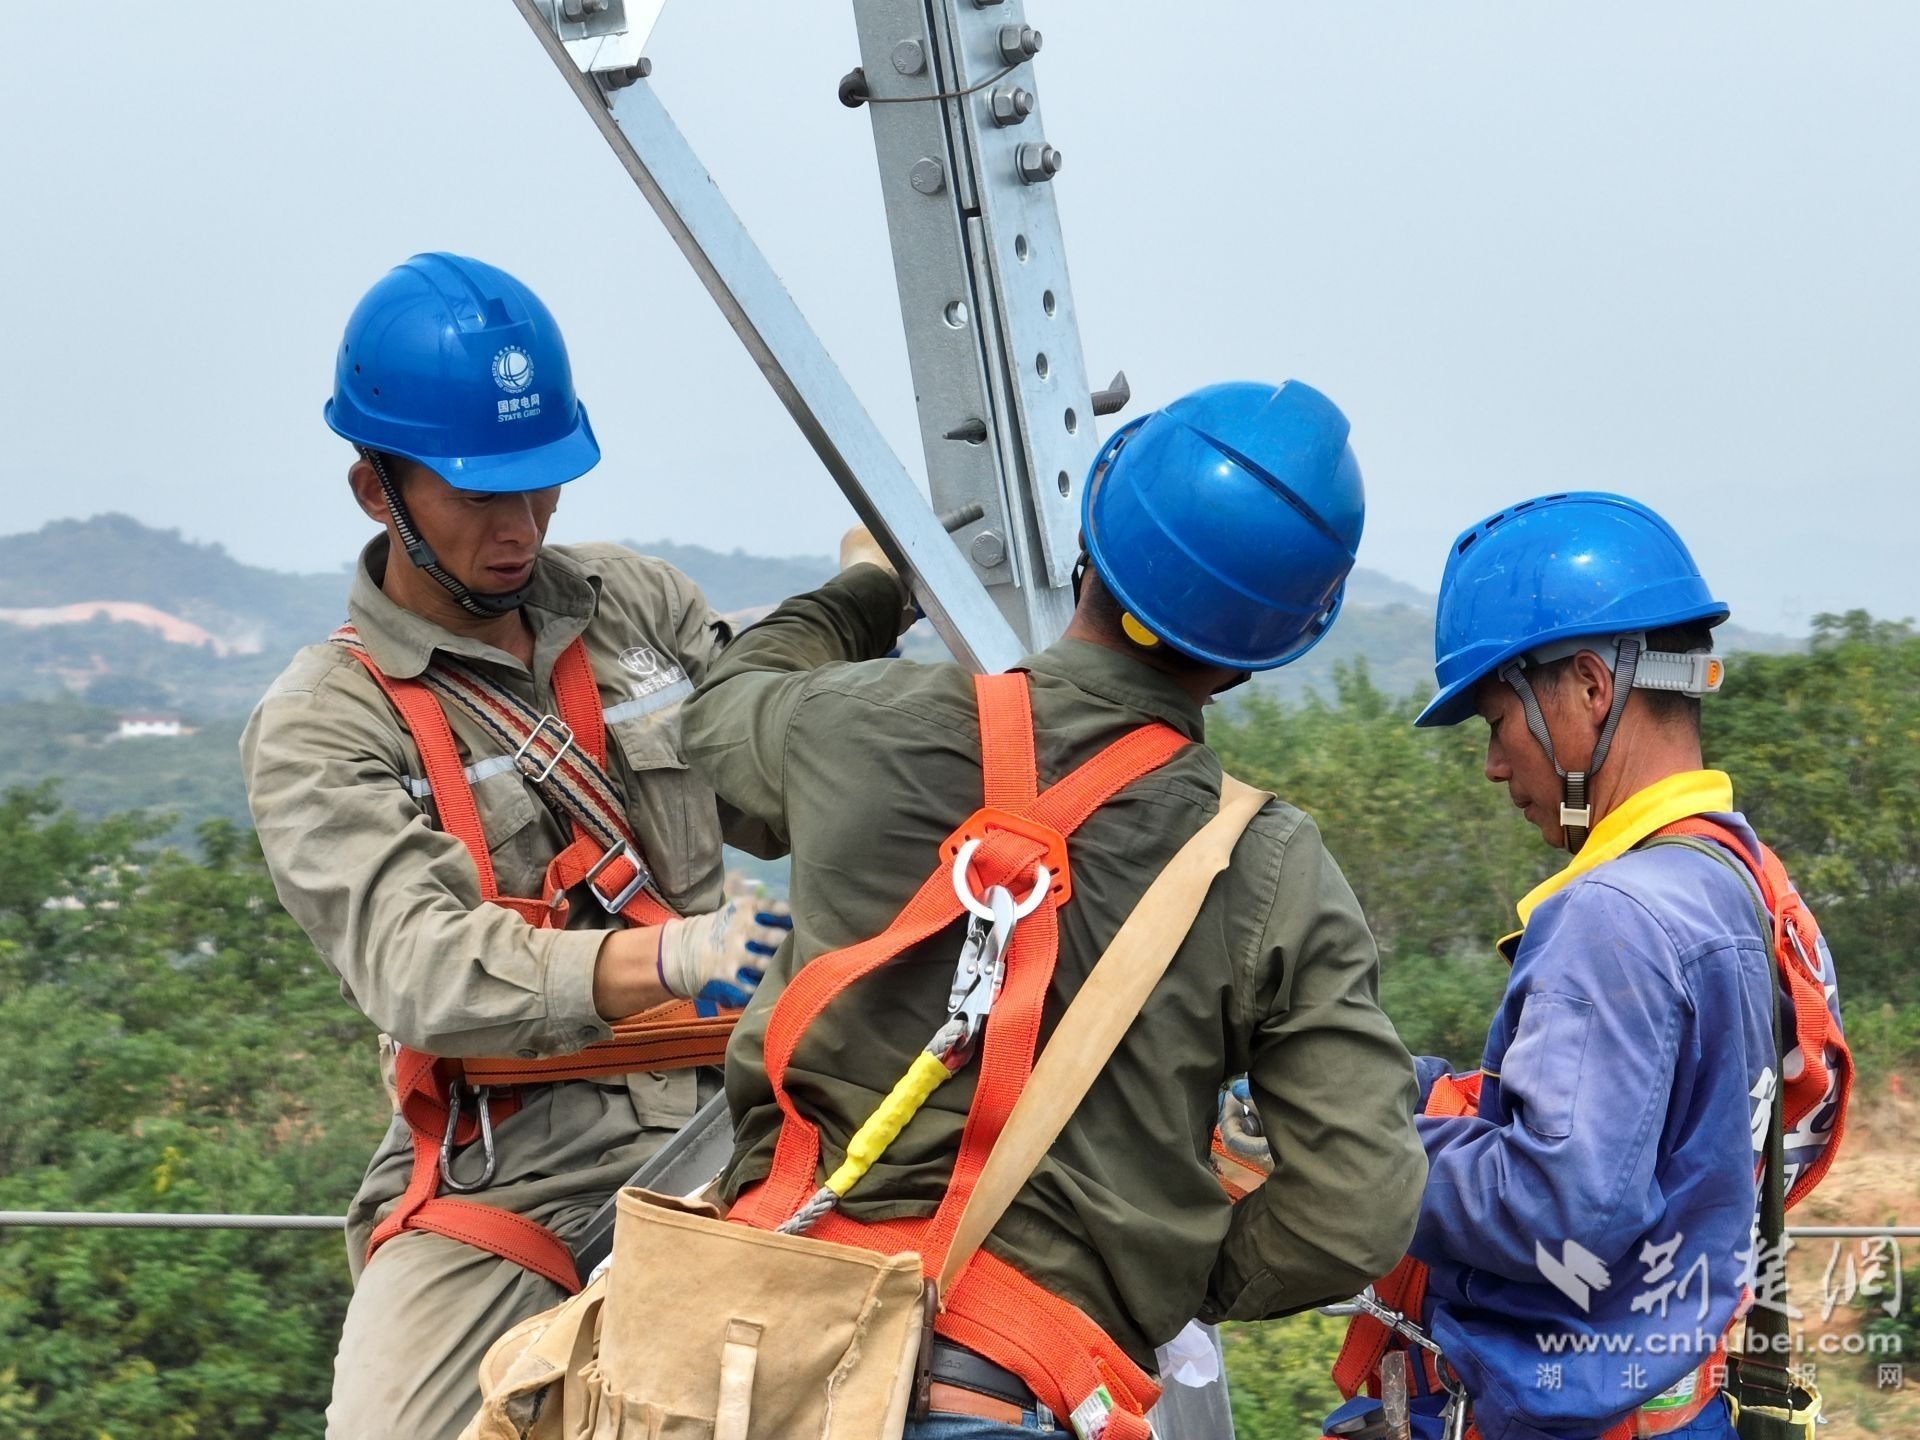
{"x":145,"y":1220}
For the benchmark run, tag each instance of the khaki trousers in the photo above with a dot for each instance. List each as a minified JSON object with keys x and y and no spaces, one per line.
{"x":419,"y":1322}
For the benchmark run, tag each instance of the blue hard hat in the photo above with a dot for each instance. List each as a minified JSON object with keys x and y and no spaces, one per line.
{"x":1227,"y":522}
{"x":1556,"y":568}
{"x":458,"y":366}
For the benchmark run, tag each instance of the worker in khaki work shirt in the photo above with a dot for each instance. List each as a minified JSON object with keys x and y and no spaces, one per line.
{"x":453,"y":384}
{"x":1219,"y":533}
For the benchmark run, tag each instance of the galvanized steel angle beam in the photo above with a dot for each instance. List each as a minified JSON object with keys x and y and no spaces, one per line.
{"x":658,"y":159}
{"x":1025,"y":255}
{"x":925,"y":187}
{"x":1005,"y":413}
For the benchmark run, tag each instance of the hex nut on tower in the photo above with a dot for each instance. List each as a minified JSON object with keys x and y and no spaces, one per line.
{"x":1011,"y":105}
{"x":1038,"y":163}
{"x":1018,"y":42}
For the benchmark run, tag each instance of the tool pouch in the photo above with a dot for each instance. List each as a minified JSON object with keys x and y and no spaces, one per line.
{"x":703,"y":1330}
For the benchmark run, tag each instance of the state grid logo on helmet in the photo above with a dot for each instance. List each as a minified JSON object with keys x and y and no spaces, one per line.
{"x":512,"y":369}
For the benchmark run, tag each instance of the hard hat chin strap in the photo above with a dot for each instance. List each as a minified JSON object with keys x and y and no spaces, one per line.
{"x":1576,"y":804}
{"x":486,"y":606}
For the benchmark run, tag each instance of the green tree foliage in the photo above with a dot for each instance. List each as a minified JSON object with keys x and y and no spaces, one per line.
{"x":173,"y":1044}
{"x":1824,"y":749}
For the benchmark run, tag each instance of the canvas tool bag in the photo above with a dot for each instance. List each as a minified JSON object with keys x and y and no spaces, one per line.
{"x":705,"y":1330}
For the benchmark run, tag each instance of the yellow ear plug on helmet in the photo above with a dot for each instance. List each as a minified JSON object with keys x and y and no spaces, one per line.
{"x":1138,"y":633}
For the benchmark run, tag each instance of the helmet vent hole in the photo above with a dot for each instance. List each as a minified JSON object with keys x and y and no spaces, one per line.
{"x":356,"y":367}
{"x":1066,"y":483}
{"x":376,"y":389}
{"x":1073,"y":423}
{"x":1465,"y":541}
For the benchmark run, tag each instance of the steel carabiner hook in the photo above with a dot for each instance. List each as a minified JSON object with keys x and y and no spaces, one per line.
{"x":483,"y":1112}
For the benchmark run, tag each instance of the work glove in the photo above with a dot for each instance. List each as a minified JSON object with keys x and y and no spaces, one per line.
{"x":1249,"y":1160}
{"x":718,"y":960}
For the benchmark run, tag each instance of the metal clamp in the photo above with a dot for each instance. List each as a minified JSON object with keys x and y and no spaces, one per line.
{"x":977,"y":978}
{"x":564,"y":744}
{"x":963,"y":862}
{"x":615,"y":904}
{"x":482,"y":1099}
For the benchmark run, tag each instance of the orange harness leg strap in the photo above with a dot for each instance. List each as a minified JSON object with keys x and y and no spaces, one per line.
{"x":667,"y":1037}
{"x":992,"y":1309}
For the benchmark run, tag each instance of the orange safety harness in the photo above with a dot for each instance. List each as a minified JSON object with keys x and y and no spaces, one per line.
{"x":569,"y":747}
{"x":1824,"y":1078}
{"x":1073,"y":1366}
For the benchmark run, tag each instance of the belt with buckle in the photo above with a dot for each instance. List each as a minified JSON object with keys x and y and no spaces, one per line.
{"x":964,"y":1383}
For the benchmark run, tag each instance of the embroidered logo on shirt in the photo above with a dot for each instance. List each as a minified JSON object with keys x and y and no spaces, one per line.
{"x":658,"y":682}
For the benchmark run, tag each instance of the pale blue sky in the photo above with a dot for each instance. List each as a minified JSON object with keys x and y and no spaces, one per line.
{"x":1663,"y":248}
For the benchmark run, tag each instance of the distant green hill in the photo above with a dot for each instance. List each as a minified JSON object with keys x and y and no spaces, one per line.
{"x":115,"y":557}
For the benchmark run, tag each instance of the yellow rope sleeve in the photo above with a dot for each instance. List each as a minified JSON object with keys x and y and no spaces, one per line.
{"x":923,"y":1077}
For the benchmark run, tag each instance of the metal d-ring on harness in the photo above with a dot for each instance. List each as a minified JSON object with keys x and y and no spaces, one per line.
{"x":977,"y":979}
{"x":483,"y":1110}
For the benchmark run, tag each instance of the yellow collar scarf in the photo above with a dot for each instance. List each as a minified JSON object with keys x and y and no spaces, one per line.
{"x":1691,"y":792}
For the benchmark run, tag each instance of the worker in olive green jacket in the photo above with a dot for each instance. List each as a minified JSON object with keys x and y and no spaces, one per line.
{"x":1220,"y":532}
{"x":453,"y":385}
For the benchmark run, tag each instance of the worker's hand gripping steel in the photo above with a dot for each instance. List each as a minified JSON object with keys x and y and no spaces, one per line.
{"x":977,"y":978}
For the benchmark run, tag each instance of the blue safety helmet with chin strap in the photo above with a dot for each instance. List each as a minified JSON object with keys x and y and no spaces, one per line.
{"x":457,"y":366}
{"x":1546,"y":578}
{"x":1226,"y":523}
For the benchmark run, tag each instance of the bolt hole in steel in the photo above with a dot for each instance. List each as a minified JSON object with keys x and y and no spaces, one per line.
{"x":1073,"y":423}
{"x":1066,"y":481}
{"x":1020,"y":248}
{"x":1047,"y":303}
{"x":1040,"y":366}
{"x":955,"y":314}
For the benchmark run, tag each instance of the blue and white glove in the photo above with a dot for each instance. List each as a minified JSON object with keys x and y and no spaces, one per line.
{"x":1240,"y":1129}
{"x":718,"y":960}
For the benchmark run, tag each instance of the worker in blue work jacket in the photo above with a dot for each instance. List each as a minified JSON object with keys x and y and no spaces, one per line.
{"x":1589,"y":1217}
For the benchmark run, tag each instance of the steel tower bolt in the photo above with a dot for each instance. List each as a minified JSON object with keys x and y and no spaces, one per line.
{"x":1038,"y":163}
{"x":1011,"y":105}
{"x":1018,"y":42}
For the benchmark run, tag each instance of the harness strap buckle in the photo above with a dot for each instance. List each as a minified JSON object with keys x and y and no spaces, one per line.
{"x":1052,"y":865}
{"x":483,"y":1109}
{"x":562,"y":743}
{"x":615,"y":904}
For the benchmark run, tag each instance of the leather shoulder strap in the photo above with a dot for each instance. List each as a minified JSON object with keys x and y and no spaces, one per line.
{"x":1113,"y":995}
